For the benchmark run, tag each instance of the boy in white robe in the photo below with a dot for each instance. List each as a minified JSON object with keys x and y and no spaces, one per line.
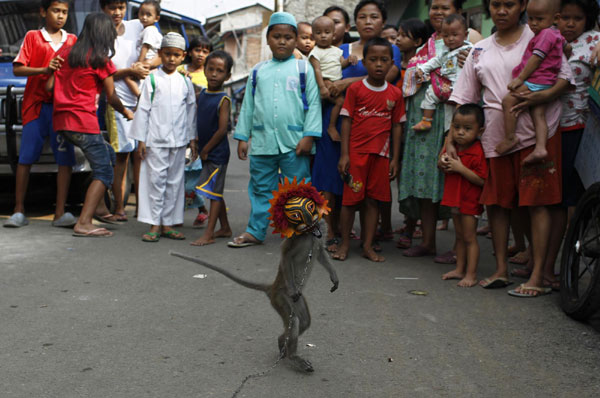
{"x":163,"y":125}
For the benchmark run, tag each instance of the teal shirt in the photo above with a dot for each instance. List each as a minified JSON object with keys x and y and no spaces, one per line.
{"x":274,"y":117}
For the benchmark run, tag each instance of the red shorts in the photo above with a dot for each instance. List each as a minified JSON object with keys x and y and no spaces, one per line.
{"x":370,"y":178}
{"x":510,"y":185}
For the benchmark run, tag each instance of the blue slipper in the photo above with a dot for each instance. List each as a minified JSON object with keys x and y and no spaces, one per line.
{"x":17,"y":220}
{"x":67,"y":220}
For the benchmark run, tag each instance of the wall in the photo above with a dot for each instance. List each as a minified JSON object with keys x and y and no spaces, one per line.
{"x":307,"y":10}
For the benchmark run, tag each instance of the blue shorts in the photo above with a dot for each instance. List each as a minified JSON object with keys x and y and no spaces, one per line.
{"x":537,"y":87}
{"x":97,"y":151}
{"x":34,"y":135}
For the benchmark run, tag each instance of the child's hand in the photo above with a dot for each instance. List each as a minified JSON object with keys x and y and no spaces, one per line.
{"x":515,"y":84}
{"x":462,"y":57}
{"x":451,"y":150}
{"x":304,"y":146}
{"x":324,"y":92}
{"x":443,"y":161}
{"x":242,"y":150}
{"x":128,"y":113}
{"x":454,"y":165}
{"x":194,"y":150}
{"x":142,"y":149}
{"x":343,"y":164}
{"x":353,"y":59}
{"x":139,"y":70}
{"x":393,"y":170}
{"x":419,"y":74}
{"x":54,"y":65}
{"x":334,"y":135}
{"x":204,"y":154}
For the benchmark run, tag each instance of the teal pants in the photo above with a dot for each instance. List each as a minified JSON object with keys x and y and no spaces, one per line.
{"x":264,"y":176}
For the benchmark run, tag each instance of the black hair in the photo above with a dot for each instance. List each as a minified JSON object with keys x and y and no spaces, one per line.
{"x":590,"y":9}
{"x":455,"y":17}
{"x":304,"y":23}
{"x":339,"y":9}
{"x":486,"y":10}
{"x":96,"y":42}
{"x":377,"y":41}
{"x":471,"y":109}
{"x":416,"y":29}
{"x":456,"y":3}
{"x":199,"y":41}
{"x":47,"y":3}
{"x":220,"y":54}
{"x":376,"y":3}
{"x":388,"y":26}
{"x":291,"y":26}
{"x":104,"y":3}
{"x":153,"y":3}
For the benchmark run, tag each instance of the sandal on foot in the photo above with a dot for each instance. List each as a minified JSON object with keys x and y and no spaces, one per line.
{"x":173,"y":234}
{"x":447,"y":258}
{"x":17,"y":220}
{"x":540,"y":291}
{"x":151,"y":237}
{"x":404,"y":242}
{"x":243,"y":241}
{"x":552,"y":284}
{"x":418,"y":251}
{"x":329,"y":243}
{"x":94,"y":233}
{"x":200,"y":220}
{"x":496,"y":283}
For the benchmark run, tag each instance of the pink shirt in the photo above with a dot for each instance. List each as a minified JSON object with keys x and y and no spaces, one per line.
{"x":489,"y":68}
{"x":548,"y":45}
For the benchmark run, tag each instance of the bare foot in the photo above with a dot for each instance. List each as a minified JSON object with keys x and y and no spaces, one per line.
{"x":341,"y":253}
{"x":507,"y":144}
{"x":203,"y":241}
{"x":537,"y":156}
{"x":453,"y":275}
{"x":467,"y":282}
{"x":223,"y":233}
{"x":333,"y":134}
{"x":370,"y":254}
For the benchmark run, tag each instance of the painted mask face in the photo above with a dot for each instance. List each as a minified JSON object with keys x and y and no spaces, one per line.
{"x":301,"y":214}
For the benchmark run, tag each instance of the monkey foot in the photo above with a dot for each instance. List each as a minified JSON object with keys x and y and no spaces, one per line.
{"x":302,"y":364}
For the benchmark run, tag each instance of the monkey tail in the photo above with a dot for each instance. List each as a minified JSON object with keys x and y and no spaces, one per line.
{"x":256,"y":286}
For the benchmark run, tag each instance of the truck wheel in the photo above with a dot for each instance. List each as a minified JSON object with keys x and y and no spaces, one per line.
{"x":580,"y":263}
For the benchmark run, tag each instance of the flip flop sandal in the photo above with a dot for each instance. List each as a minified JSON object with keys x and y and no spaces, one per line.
{"x":241,"y":241}
{"x":404,"y":242}
{"x":542,"y":291}
{"x":17,"y":220}
{"x":173,"y":234}
{"x":497,"y":283}
{"x":153,"y":237}
{"x":417,"y":251}
{"x":447,"y":258}
{"x":94,"y":233}
{"x":331,"y":242}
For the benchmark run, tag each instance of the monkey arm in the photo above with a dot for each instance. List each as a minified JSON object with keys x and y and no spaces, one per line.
{"x":325,"y":261}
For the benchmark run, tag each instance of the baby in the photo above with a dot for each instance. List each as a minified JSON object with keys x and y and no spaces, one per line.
{"x":305,"y":42}
{"x":149,"y":41}
{"x":328,"y":62}
{"x":537,"y":71}
{"x":454,"y":33}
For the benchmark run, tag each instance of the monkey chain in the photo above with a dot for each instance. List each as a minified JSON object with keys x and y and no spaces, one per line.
{"x":287,"y":337}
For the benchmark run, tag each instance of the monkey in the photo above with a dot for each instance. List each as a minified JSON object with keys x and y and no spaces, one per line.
{"x":299,"y":251}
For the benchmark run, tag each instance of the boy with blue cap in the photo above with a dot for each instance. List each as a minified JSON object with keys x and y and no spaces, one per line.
{"x":281,"y":114}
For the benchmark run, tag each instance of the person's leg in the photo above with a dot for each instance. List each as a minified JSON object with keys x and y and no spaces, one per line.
{"x":119,"y":185}
{"x":371,"y":214}
{"x":558,"y":225}
{"x":385,"y":208}
{"x":510,"y":124}
{"x":63,"y":180}
{"x":428,"y":223}
{"x":137,"y":161}
{"x":174,"y":194}
{"x":469,"y":237}
{"x":346,"y":223}
{"x":428,"y":105}
{"x":263,"y":181}
{"x":209,"y":233}
{"x":461,"y":251}
{"x":499,"y":219}
{"x":153,"y":186}
{"x":21,"y":183}
{"x":334,"y":134}
{"x":538,"y":114}
{"x":225,"y":230}
{"x":517,"y":225}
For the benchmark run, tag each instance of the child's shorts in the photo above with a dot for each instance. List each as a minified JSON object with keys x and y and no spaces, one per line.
{"x":537,"y":87}
{"x":118,"y":127}
{"x":97,"y":151}
{"x":370,"y":179}
{"x":212,"y":180}
{"x":34,"y":135}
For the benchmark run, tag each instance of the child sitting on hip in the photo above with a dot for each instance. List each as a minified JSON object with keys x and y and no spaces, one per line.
{"x":462,"y":189}
{"x":280,"y":116}
{"x":306,"y":41}
{"x":372,"y":110}
{"x":164,"y":124}
{"x":150,"y":39}
{"x":454,"y":33}
{"x":537,"y":71}
{"x":328,"y":62}
{"x":213,"y":124}
{"x":198,"y":50}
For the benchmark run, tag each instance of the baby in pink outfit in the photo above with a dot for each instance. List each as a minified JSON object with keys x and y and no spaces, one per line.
{"x":537,"y":71}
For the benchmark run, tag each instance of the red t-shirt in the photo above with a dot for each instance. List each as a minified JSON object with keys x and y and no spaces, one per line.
{"x":76,"y":93}
{"x":458,"y":191}
{"x":36,"y":52}
{"x":373,"y":110}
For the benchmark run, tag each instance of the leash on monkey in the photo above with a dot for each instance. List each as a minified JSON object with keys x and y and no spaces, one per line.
{"x":296,"y":209}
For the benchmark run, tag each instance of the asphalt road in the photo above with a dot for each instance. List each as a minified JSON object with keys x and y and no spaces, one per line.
{"x":117,"y":317}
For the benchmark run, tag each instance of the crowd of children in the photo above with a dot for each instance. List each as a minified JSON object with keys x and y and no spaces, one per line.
{"x":461,"y":121}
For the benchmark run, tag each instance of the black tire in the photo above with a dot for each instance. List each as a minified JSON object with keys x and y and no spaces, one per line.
{"x":580,"y":263}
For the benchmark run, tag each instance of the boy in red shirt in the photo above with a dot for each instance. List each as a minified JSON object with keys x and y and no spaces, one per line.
{"x":371,"y":110}
{"x":37,"y":59}
{"x":462,"y":188}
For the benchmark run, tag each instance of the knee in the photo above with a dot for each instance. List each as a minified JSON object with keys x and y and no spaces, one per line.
{"x":508,"y":102}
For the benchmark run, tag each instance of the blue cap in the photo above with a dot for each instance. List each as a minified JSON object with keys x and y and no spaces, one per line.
{"x":282,"y":18}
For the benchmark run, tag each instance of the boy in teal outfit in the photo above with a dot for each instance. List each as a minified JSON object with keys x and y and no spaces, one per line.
{"x":281,"y":114}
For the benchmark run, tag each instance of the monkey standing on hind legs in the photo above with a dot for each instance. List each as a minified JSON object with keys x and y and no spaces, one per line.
{"x":296,"y":210}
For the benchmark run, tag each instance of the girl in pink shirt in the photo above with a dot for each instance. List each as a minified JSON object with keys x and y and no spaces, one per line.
{"x":537,"y":71}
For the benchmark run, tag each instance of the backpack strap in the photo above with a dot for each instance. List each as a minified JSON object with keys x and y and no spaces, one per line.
{"x":302,"y":69}
{"x":255,"y":75}
{"x":153,"y":84}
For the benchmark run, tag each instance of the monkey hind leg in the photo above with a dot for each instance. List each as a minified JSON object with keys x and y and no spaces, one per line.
{"x":292,"y":346}
{"x":303,"y":314}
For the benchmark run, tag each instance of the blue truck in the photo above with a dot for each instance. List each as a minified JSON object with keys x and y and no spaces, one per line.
{"x":16,"y":18}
